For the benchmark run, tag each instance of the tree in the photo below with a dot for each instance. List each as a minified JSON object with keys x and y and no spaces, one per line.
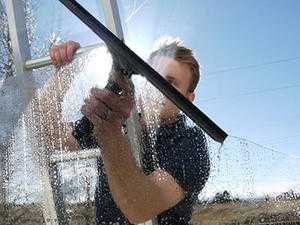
{"x":267,"y":198}
{"x":224,"y":197}
{"x":289,"y":195}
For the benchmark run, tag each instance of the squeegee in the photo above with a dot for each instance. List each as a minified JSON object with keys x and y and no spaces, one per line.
{"x":130,"y":63}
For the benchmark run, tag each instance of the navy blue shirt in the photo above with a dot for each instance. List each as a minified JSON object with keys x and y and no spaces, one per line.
{"x":182,"y":152}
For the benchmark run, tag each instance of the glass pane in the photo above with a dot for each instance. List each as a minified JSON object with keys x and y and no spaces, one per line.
{"x":5,"y":68}
{"x":53,"y":24}
{"x":36,"y":185}
{"x":248,"y":87}
{"x":41,"y":180}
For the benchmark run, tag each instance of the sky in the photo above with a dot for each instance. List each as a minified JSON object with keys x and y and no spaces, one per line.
{"x":250,"y":57}
{"x":258,"y":102}
{"x":248,"y":51}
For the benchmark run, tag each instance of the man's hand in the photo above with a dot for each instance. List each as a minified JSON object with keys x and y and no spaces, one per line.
{"x":51,"y":101}
{"x":63,"y":53}
{"x":107,"y":110}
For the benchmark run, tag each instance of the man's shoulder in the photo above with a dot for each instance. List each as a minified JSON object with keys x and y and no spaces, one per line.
{"x":195,"y":131}
{"x":188,"y":160}
{"x":196,"y":137}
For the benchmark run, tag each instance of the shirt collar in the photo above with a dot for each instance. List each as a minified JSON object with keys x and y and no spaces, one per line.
{"x":172,"y":129}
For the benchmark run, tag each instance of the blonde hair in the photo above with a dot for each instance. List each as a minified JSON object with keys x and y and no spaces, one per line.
{"x":174,"y":48}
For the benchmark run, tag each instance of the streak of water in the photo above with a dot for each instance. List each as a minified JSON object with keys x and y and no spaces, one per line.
{"x":250,"y":170}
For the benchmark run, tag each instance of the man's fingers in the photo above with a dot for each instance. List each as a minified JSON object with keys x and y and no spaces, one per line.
{"x":96,"y":106}
{"x":57,"y":58}
{"x":95,"y":119}
{"x":52,"y":55}
{"x":63,"y":54}
{"x":92,"y":106}
{"x":120,"y":106}
{"x":123,"y":82}
{"x":114,"y":101}
{"x":87,"y":108}
{"x":87,"y":111}
{"x":71,"y":49}
{"x":84,"y":110}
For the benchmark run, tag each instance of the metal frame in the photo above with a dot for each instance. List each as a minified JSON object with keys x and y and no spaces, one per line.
{"x":53,"y":207}
{"x":20,"y":45}
{"x":46,"y":61}
{"x":112,"y":17}
{"x":21,"y":53}
{"x":70,"y":156}
{"x":18,"y":34}
{"x":113,"y":22}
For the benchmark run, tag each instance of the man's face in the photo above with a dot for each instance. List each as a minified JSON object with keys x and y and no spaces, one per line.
{"x":179,"y":75}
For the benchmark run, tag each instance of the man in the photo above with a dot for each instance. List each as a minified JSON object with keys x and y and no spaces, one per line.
{"x":174,"y":169}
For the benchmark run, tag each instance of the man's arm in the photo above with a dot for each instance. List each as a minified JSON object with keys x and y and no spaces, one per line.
{"x":57,"y":134}
{"x":139,"y":197}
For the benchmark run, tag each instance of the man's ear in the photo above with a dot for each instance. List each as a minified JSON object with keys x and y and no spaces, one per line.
{"x":191,"y":96}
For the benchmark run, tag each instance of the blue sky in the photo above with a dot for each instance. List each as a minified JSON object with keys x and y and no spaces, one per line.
{"x":248,"y":49}
{"x":230,"y":34}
